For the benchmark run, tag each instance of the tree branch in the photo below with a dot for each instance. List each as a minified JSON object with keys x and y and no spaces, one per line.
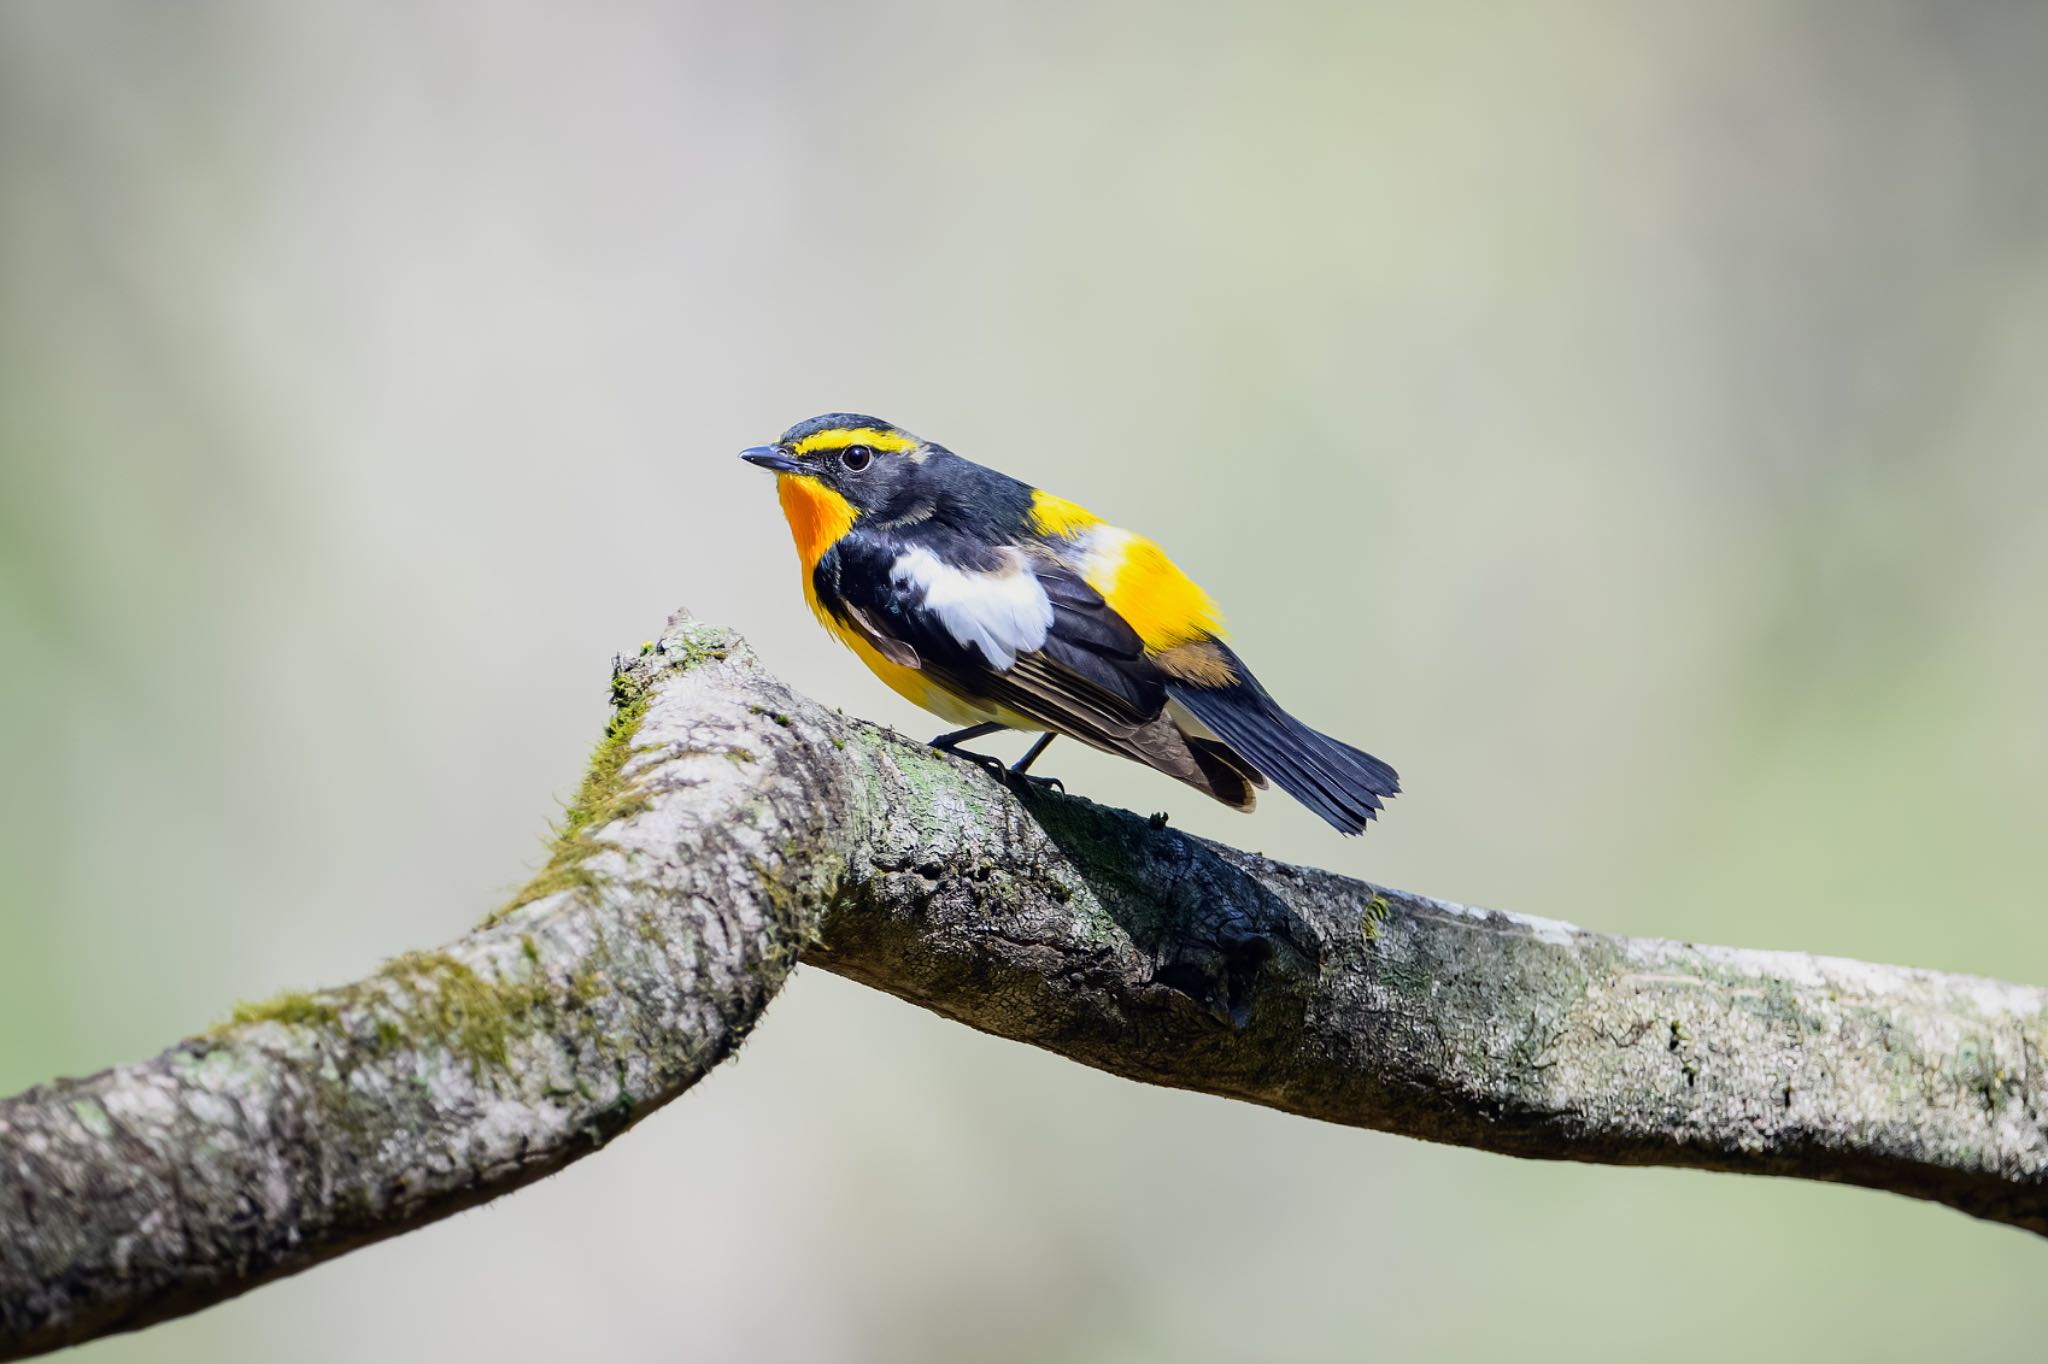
{"x":727,"y":824}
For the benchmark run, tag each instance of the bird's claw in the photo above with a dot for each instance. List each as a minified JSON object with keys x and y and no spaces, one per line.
{"x":1008,"y":776}
{"x":1031,"y":783}
{"x":993,"y":766}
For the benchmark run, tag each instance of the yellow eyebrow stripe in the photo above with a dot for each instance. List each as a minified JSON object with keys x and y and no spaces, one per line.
{"x":839,"y":437}
{"x":1056,"y":516}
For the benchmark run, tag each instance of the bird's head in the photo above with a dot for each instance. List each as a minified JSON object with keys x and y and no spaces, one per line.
{"x":871,"y":466}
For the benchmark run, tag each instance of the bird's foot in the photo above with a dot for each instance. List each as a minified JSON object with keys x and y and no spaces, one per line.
{"x":993,"y":766}
{"x":1028,"y":782}
{"x":1008,"y":776}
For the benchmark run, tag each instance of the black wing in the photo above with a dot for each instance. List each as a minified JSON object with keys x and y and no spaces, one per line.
{"x":1089,"y":677}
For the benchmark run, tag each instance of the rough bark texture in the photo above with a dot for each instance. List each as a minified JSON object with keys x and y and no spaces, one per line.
{"x":728,"y":824}
{"x":693,"y":865}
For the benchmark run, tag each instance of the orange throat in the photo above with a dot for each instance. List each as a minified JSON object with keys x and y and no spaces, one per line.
{"x":817,"y":518}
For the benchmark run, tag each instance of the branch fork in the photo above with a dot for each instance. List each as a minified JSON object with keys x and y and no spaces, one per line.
{"x":729,"y":826}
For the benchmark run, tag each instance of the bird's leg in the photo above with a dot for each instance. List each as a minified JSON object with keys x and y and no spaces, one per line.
{"x":1010,"y":776}
{"x":952,"y":739}
{"x":949,"y":743}
{"x":1023,"y":764}
{"x":1020,"y":769}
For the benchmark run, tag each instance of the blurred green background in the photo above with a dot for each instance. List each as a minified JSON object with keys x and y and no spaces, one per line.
{"x":1629,"y":418}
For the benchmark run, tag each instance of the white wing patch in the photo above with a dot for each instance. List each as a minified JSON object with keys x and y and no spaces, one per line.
{"x":1002,"y":614}
{"x":1098,"y":555}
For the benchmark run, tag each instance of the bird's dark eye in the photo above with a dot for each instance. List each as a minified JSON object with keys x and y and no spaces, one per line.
{"x":856,"y":457}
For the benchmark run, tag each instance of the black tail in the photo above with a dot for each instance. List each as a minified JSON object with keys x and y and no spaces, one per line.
{"x":1345,"y":786}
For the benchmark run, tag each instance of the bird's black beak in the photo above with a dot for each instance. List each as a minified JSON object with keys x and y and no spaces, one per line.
{"x":771,"y":457}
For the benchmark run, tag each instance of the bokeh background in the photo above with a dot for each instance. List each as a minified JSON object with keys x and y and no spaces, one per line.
{"x":1628,"y":418}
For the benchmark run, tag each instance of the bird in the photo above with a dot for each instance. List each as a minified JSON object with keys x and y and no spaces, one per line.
{"x":997,"y":605}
